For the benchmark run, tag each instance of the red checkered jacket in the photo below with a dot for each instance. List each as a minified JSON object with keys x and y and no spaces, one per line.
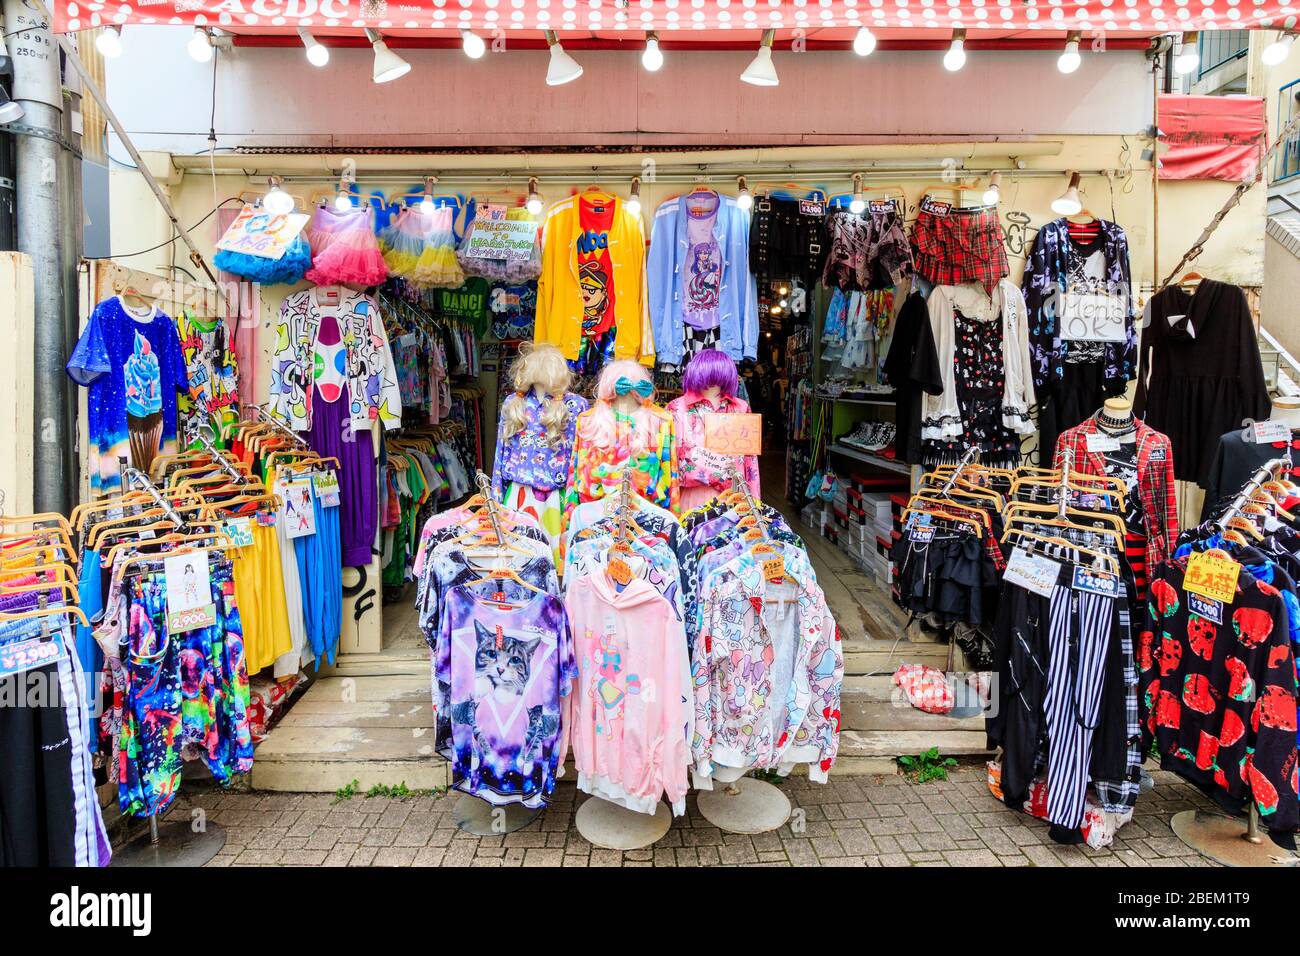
{"x":1155,"y":464}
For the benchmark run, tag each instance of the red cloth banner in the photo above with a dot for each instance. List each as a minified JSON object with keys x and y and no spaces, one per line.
{"x":1212,"y":137}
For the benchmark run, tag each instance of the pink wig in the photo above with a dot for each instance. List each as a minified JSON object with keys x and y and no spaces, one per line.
{"x":598,"y":426}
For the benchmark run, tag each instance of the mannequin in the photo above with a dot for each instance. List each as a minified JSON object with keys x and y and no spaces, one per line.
{"x":709,"y":387}
{"x":1286,"y":409}
{"x":1116,"y":419}
{"x":536,"y":436}
{"x":624,"y":429}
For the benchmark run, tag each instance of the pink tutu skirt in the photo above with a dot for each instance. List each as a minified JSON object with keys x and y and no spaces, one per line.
{"x":344,"y":249}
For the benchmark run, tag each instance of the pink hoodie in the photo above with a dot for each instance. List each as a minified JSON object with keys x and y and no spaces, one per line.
{"x":628,"y":718}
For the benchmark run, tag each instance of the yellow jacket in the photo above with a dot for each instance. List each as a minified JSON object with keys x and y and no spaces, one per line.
{"x":559,"y":296}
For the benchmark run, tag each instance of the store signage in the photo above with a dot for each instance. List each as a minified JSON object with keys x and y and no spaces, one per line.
{"x":733,"y":434}
{"x":256,"y":232}
{"x":501,"y":238}
{"x":1091,"y":317}
{"x":189,"y":592}
{"x":1212,"y":575}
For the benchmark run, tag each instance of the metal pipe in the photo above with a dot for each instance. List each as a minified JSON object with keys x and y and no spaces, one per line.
{"x":38,"y":162}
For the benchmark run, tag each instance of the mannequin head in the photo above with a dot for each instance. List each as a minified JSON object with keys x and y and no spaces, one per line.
{"x":540,"y":367}
{"x":711,"y":373}
{"x":598,"y":425}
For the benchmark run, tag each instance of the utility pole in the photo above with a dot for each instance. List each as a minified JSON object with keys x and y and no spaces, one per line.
{"x":40,"y":142}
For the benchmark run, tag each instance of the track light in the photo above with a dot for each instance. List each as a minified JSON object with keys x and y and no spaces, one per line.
{"x":761,"y":71}
{"x":317,"y":55}
{"x":472,"y":44}
{"x":10,"y":112}
{"x":276,"y":201}
{"x":426,"y":204}
{"x":200,"y":45}
{"x":864,"y":42}
{"x":1068,"y":203}
{"x":1070,"y":60}
{"x":955,"y":58}
{"x":388,"y":65}
{"x":1189,"y":56}
{"x":994,"y":192}
{"x":1277,"y":51}
{"x":652,"y":59}
{"x":633,"y":204}
{"x":859,"y":203}
{"x":563,"y":68}
{"x":534,"y":204}
{"x":109,"y":42}
{"x":743,"y":199}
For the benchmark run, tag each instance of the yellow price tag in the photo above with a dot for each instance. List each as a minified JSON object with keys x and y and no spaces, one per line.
{"x":1213,"y":576}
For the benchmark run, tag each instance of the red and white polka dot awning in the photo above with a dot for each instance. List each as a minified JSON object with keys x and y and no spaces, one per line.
{"x":914,"y":19}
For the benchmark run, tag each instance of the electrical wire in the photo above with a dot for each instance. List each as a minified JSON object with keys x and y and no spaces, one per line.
{"x":163,"y":245}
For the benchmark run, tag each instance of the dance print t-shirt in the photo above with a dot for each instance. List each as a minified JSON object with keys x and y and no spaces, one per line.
{"x":595,"y":266}
{"x":133,"y":365}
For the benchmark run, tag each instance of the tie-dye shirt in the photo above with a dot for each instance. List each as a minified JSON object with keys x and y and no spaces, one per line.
{"x":506,"y":670}
{"x":597,"y":472}
{"x":134,"y":370}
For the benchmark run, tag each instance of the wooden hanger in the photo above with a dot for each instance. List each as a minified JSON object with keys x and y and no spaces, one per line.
{"x":1019,"y":534}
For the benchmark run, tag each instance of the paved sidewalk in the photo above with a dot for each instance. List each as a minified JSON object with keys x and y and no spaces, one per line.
{"x":853,"y":821}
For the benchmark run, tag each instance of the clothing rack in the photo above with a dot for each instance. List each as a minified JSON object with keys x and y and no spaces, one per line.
{"x":966,"y":459}
{"x":739,"y":483}
{"x":1063,"y":496}
{"x":134,"y":477}
{"x":485,"y":489}
{"x":219,"y":457}
{"x":265,"y":415}
{"x":1264,"y":473}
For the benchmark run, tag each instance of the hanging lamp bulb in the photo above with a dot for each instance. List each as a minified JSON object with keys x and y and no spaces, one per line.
{"x":276,"y":201}
{"x":534,"y":205}
{"x":1277,"y":51}
{"x":743,"y":198}
{"x":427,"y":204}
{"x":859,"y":203}
{"x":317,"y":54}
{"x":1070,"y":60}
{"x":473,"y":44}
{"x":1189,"y":57}
{"x":864,"y":42}
{"x":388,"y":65}
{"x":1069,"y":203}
{"x":109,"y":42}
{"x":633,"y":204}
{"x":761,"y":71}
{"x":994,"y":192}
{"x":563,"y":68}
{"x":955,"y":58}
{"x":652,"y":58}
{"x":200,"y":45}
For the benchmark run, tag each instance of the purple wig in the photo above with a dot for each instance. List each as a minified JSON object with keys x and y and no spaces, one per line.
{"x":708,"y":369}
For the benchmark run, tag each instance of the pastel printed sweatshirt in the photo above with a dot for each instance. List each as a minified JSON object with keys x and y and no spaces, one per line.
{"x":628,"y":717}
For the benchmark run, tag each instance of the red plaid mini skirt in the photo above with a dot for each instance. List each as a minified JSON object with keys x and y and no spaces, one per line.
{"x":965,"y":245}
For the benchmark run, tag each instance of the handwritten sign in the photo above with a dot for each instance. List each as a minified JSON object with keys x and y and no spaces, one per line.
{"x":509,"y":239}
{"x":1092,"y":317}
{"x":256,"y":232}
{"x":1212,"y":576}
{"x":733,"y":434}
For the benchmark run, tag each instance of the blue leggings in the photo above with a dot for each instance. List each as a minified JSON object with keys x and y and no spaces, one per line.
{"x":320,"y":569}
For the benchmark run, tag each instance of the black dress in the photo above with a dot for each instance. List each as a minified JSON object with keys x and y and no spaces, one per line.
{"x":1204,"y":371}
{"x":911,"y":367}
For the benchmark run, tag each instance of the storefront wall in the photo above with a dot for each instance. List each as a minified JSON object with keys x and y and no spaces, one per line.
{"x":832,"y":115}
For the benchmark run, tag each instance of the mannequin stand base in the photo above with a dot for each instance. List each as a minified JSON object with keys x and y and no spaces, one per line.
{"x":176,"y":844}
{"x":746,"y":806}
{"x":611,"y":827}
{"x":482,"y":819}
{"x":1223,"y":839}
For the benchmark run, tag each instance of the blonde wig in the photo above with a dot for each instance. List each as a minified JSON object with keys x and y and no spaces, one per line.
{"x":540,"y":366}
{"x":597,"y":425}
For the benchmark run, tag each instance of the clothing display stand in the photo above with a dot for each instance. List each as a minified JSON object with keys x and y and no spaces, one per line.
{"x":745,"y":806}
{"x":175,"y":843}
{"x":483,"y":819}
{"x":612,"y":827}
{"x":1224,"y":840}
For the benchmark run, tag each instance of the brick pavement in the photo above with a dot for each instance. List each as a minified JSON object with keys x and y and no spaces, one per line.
{"x":852,"y":821}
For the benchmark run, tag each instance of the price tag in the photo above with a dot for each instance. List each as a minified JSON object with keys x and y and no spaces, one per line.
{"x":774,"y":570}
{"x":189,"y":592}
{"x":1099,"y":442}
{"x":326,"y":484}
{"x":1212,"y":575}
{"x":620,"y":571}
{"x":1033,"y":572}
{"x":20,"y":656}
{"x":239,"y":531}
{"x":935,"y":207}
{"x":1096,"y":582}
{"x":882,"y":205}
{"x":1271,"y":431}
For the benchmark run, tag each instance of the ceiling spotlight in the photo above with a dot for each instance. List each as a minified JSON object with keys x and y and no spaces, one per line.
{"x":10,"y":112}
{"x":1189,"y":56}
{"x":859,"y":203}
{"x":652,"y":58}
{"x":633,"y":204}
{"x":109,"y":42}
{"x":864,"y":42}
{"x":744,"y":200}
{"x":317,"y":55}
{"x":1070,"y":60}
{"x":472,"y":44}
{"x":563,"y":68}
{"x":955,"y":58}
{"x":761,"y":71}
{"x":276,"y":201}
{"x":426,"y":204}
{"x":200,"y":45}
{"x":1277,"y":51}
{"x":534,"y":204}
{"x":388,"y":65}
{"x":1068,"y":203}
{"x":994,"y":192}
